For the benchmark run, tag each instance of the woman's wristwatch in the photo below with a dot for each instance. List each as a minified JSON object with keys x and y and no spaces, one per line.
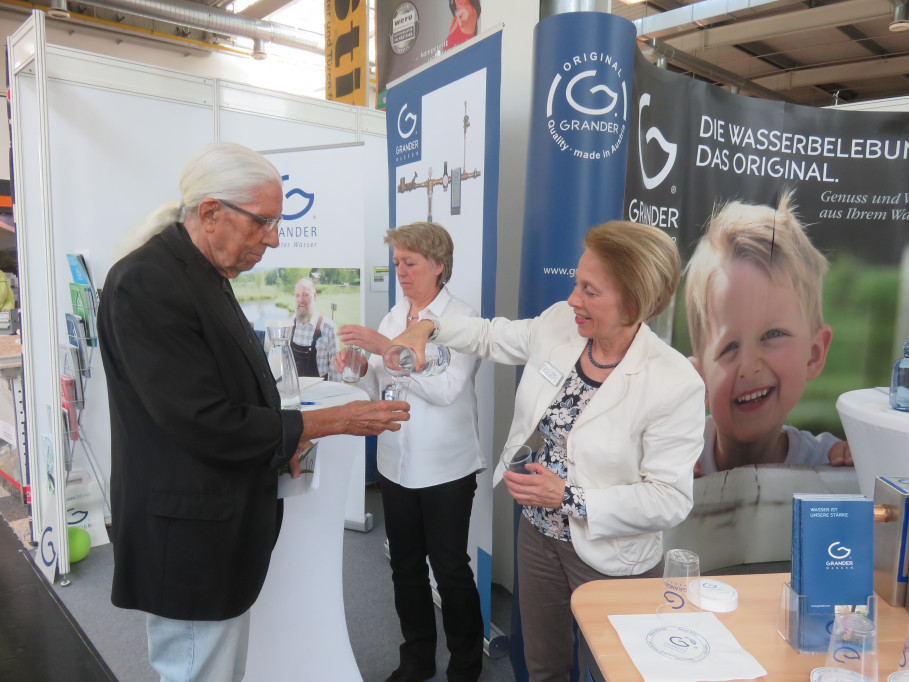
{"x":435,"y":328}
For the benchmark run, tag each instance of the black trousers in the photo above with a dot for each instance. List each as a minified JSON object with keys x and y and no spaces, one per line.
{"x":433,"y":522}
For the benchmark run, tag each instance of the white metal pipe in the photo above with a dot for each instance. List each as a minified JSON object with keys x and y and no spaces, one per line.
{"x":550,"y":7}
{"x":216,"y":20}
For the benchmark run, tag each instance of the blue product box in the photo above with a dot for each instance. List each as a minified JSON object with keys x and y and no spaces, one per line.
{"x":832,"y":561}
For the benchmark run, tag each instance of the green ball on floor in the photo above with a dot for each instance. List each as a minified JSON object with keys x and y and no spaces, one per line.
{"x":79,"y":543}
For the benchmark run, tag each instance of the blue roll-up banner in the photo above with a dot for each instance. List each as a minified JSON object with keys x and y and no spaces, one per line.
{"x":580,"y":114}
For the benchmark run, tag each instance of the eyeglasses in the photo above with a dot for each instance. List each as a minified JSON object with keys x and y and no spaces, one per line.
{"x":265,"y":224}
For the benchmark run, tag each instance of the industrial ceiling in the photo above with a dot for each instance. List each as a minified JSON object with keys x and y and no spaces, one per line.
{"x":813,"y":52}
{"x":818,"y":52}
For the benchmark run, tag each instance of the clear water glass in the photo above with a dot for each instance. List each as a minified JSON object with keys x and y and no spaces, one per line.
{"x":397,"y":389}
{"x":852,"y":652}
{"x":681,"y":586}
{"x":516,"y":459}
{"x":354,"y":358}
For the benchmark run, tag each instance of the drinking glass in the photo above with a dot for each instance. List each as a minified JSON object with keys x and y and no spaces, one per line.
{"x":354,"y":357}
{"x":852,"y":653}
{"x":681,"y":586}
{"x":397,"y":389}
{"x":516,"y":458}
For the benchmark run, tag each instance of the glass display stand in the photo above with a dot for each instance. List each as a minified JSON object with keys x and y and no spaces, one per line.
{"x":809,"y":633}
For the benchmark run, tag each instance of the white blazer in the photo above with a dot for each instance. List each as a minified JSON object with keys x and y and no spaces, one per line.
{"x":632,"y":449}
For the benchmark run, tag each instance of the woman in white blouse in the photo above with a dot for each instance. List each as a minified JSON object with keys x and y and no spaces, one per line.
{"x":428,"y":471}
{"x":620,"y":415}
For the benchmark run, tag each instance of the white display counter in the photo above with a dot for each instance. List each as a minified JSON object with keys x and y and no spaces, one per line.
{"x":298,"y":630}
{"x":878,"y":436}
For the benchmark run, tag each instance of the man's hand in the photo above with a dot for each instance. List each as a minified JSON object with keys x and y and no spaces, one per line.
{"x":358,"y":418}
{"x":371,"y":417}
{"x":295,"y":465}
{"x":364,"y":337}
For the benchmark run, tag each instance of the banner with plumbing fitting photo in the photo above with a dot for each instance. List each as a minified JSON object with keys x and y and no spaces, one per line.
{"x":443,"y":166}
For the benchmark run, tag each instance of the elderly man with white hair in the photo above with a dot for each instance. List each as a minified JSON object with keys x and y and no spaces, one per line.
{"x":197,"y":433}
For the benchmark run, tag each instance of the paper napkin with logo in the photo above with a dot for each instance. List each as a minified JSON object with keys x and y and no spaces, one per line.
{"x":684,"y":647}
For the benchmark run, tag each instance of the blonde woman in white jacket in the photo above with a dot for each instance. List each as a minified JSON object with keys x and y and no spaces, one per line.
{"x":621,"y":420}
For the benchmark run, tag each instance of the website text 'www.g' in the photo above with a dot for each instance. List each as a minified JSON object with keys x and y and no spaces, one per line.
{"x":559,"y":271}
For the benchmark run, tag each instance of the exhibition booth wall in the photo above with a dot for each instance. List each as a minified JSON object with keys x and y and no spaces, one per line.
{"x":279,"y":74}
{"x":98,"y":143}
{"x":94,"y":135}
{"x":295,"y":77}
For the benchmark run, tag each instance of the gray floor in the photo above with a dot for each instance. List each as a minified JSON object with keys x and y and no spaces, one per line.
{"x":119,"y":635}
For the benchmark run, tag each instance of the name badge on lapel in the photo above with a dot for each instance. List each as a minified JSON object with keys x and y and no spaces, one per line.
{"x":551,"y":374}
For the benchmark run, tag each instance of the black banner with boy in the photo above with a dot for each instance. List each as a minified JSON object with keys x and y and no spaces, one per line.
{"x":794,"y":221}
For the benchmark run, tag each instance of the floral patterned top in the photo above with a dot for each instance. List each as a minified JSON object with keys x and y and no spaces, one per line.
{"x":555,"y":425}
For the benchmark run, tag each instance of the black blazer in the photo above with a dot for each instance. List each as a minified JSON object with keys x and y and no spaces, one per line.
{"x":196,"y":436}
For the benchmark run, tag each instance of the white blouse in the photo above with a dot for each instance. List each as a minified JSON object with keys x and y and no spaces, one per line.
{"x":440,"y":442}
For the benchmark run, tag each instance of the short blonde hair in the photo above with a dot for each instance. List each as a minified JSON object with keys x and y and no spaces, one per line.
{"x":644,"y":264}
{"x":772,"y":239}
{"x":430,"y":240}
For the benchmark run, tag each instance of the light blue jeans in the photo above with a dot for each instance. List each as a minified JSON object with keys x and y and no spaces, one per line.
{"x":198,"y":650}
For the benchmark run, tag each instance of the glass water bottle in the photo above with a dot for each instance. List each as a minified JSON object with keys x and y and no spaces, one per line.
{"x":281,"y":361}
{"x":400,"y":360}
{"x":899,"y":382}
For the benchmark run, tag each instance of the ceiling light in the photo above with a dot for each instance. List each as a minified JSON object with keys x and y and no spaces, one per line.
{"x":900,"y":15}
{"x":58,"y":9}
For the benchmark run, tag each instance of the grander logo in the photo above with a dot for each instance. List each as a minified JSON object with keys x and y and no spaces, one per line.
{"x":840,"y":552}
{"x":654,"y":133}
{"x":410,"y":123}
{"x":587,"y":106}
{"x":839,"y":557}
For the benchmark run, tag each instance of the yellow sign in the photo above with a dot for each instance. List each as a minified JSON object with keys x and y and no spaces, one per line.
{"x":346,"y":70}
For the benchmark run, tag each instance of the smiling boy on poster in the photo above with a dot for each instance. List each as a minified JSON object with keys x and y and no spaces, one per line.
{"x":753,"y":296}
